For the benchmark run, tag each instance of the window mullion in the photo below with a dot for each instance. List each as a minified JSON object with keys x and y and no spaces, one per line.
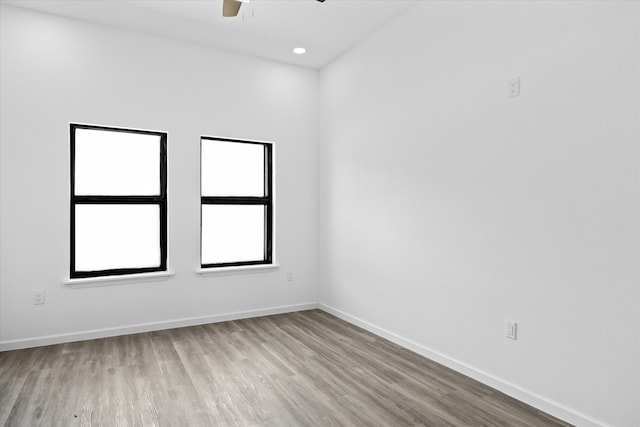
{"x":232,"y":200}
{"x":110,"y":200}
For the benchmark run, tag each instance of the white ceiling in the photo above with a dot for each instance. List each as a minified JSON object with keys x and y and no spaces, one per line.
{"x":264,"y":28}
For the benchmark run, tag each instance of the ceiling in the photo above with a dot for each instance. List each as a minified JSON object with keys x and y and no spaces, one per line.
{"x":268,"y":29}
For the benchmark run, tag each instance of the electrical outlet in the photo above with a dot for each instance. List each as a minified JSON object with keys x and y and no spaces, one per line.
{"x":38,"y":297}
{"x":511,"y":329}
{"x":513,"y":87}
{"x":289,"y":276}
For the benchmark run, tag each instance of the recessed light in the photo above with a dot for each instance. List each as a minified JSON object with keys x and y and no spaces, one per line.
{"x":299,"y":50}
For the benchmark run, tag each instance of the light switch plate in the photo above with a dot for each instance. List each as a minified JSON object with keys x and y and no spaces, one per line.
{"x":513,"y":87}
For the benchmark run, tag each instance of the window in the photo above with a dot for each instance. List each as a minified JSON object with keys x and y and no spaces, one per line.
{"x":118,"y":201}
{"x":236,"y":202}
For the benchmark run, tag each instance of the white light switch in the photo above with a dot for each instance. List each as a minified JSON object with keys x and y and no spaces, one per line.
{"x":513,"y":87}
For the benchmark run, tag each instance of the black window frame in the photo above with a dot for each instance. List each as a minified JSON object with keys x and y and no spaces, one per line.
{"x":160,"y":200}
{"x":266,"y":201}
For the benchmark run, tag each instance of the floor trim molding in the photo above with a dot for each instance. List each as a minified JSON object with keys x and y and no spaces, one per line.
{"x":149,"y":327}
{"x":513,"y":390}
{"x":553,"y":408}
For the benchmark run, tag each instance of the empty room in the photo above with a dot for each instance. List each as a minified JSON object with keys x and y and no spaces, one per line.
{"x":300,"y":213}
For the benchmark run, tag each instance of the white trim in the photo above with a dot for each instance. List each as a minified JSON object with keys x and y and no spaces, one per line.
{"x":241,"y":269}
{"x":91,"y":282}
{"x":148,"y":327}
{"x":544,"y":404}
{"x":554,"y":408}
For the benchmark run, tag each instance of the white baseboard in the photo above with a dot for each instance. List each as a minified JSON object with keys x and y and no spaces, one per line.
{"x":148,"y":327}
{"x":517,"y":392}
{"x":553,"y":408}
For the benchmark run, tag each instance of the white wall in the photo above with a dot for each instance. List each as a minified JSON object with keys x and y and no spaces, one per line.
{"x":446,"y":208}
{"x":55,"y":71}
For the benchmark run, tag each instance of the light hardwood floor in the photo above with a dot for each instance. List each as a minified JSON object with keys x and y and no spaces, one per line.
{"x":300,"y":369}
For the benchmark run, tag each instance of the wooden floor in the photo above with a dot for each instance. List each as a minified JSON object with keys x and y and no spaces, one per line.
{"x":299,"y":369}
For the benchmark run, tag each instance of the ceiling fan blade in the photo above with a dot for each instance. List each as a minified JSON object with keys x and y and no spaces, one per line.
{"x":231,"y":7}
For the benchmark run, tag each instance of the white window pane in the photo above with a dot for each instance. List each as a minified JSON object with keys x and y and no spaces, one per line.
{"x":111,"y":163}
{"x":232,"y":169}
{"x":117,"y":236}
{"x":232,"y":233}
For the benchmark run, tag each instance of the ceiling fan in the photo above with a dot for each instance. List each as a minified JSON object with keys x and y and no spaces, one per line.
{"x":232,"y":7}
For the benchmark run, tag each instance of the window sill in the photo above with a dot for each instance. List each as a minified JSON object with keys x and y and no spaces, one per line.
{"x":244,"y":269}
{"x":91,"y":282}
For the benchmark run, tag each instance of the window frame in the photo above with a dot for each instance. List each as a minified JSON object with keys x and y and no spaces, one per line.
{"x":267,"y":201}
{"x":160,"y":200}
